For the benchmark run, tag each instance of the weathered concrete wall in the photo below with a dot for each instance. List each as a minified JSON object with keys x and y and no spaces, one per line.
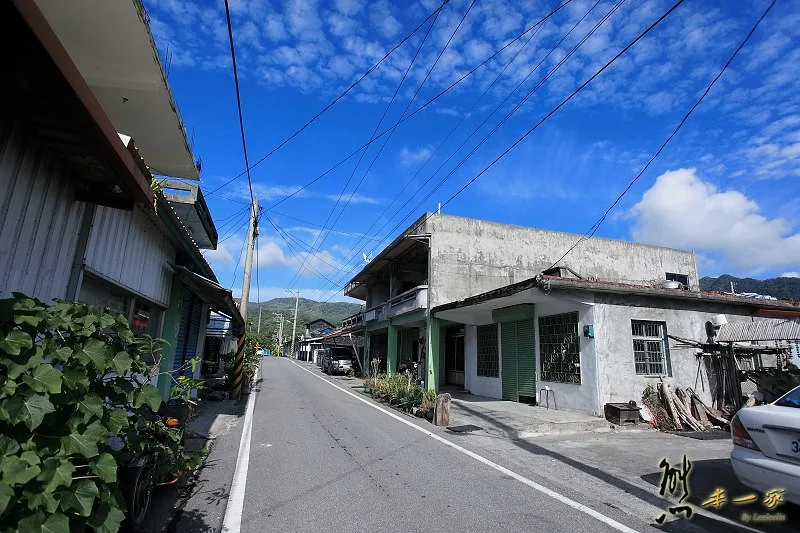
{"x":480,"y":385}
{"x":569,"y":396}
{"x":469,"y":257}
{"x":618,"y":381}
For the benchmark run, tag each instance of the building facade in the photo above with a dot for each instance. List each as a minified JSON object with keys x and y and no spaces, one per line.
{"x":581,"y":344}
{"x":442,"y":258}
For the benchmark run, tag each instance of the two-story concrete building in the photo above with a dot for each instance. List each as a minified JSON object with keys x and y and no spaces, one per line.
{"x":443,"y":258}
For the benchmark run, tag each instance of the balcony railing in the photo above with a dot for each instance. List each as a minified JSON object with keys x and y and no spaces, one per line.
{"x":373,"y":314}
{"x":411,"y":300}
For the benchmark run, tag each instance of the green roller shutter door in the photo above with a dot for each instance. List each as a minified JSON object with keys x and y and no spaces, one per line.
{"x":518,"y":360}
{"x":526,"y":359}
{"x":508,"y":357}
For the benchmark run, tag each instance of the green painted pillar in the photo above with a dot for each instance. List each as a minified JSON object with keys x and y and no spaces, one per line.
{"x":432,"y":363}
{"x":172,"y":321}
{"x":391,"y":350}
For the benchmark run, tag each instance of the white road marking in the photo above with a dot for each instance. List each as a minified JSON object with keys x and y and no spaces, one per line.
{"x":232,"y":522}
{"x":522,"y":479}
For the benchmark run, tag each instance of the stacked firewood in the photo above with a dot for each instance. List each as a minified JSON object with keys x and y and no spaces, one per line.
{"x":684,"y":410}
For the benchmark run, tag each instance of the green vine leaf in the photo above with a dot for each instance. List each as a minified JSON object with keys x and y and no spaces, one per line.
{"x":85,"y":443}
{"x":29,"y":410}
{"x":44,"y":378}
{"x":106,"y":467}
{"x":80,"y":497}
{"x":149,"y":395}
{"x":75,"y":378}
{"x":8,"y":446}
{"x":57,"y":473}
{"x":30,"y":524}
{"x":15,"y":341}
{"x":30,"y":320}
{"x":57,"y":523}
{"x":107,"y":519}
{"x":41,"y":500}
{"x":91,"y":405}
{"x":30,"y":457}
{"x":6,"y":495}
{"x":96,"y":352}
{"x":116,"y":420}
{"x":122,"y":362}
{"x":18,"y":472}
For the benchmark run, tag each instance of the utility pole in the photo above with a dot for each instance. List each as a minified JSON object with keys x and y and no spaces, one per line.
{"x":238,"y":365}
{"x":294,"y":325}
{"x":248,"y":261}
{"x":258,"y":331}
{"x":279,"y":316}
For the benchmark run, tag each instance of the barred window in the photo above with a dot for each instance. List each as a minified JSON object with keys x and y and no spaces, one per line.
{"x":650,"y":353}
{"x":488,"y":353}
{"x":559,"y":348}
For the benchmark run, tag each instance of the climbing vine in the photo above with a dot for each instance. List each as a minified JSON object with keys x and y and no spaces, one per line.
{"x":73,"y":379}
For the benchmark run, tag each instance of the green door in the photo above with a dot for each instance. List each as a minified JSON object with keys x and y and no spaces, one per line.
{"x":526,"y":361}
{"x":518,"y":367}
{"x":508,"y":358}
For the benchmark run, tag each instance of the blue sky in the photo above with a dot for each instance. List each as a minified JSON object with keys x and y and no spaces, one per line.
{"x":728,"y":186}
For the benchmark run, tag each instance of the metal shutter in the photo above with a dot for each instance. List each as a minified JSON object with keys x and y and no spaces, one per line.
{"x":442,"y":356}
{"x":508,"y":356}
{"x":186,"y":342}
{"x":526,"y":359}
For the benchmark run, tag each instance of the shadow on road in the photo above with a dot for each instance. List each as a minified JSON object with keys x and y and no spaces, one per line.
{"x":710,"y":473}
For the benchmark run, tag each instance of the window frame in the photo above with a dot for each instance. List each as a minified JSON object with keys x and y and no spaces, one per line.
{"x":545,"y":375}
{"x":662,"y":338}
{"x":495,"y":356}
{"x":683,"y":279}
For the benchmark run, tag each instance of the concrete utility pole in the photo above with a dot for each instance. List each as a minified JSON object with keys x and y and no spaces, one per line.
{"x":279,"y":316}
{"x":238,"y":365}
{"x":294,"y":325}
{"x":248,"y":261}
{"x":258,"y":331}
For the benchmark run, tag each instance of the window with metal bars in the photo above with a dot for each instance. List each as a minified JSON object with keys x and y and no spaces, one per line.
{"x":650,"y":351}
{"x":559,"y":348}
{"x":488,"y":352}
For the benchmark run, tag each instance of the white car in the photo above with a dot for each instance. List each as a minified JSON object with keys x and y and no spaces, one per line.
{"x":766,"y":451}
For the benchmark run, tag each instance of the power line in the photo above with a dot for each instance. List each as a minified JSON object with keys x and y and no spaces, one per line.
{"x":508,"y":115}
{"x":419,"y":109}
{"x":485,"y":120}
{"x":293,"y":251}
{"x":238,"y":100}
{"x":314,"y":224}
{"x":377,"y":127}
{"x":405,"y":110}
{"x":589,"y":234}
{"x":555,"y":109}
{"x":332,"y":103}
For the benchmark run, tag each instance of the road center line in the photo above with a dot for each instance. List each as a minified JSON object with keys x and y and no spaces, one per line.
{"x":522,"y":479}
{"x":232,"y":522}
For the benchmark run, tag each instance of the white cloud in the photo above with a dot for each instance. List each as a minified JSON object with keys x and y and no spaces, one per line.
{"x":412,"y":156}
{"x":355,"y":199}
{"x":683,"y":211}
{"x":790,"y":275}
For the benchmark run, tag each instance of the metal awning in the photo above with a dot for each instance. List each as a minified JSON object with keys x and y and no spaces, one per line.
{"x":215,"y":295}
{"x":764,"y":330}
{"x":110,"y":43}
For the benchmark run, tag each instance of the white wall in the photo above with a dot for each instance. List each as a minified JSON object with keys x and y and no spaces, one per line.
{"x":480,"y":385}
{"x":618,"y":381}
{"x":569,"y":396}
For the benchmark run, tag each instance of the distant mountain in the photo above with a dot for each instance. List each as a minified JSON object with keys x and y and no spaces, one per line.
{"x":781,"y":288}
{"x":307,"y":311}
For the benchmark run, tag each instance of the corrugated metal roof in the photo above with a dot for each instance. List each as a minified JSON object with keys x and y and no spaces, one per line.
{"x":764,"y":330}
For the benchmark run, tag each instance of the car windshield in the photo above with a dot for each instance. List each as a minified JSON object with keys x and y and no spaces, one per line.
{"x":342,"y":356}
{"x":792,"y":399}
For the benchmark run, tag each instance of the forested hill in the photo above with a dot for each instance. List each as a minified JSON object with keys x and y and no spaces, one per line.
{"x":781,"y":288}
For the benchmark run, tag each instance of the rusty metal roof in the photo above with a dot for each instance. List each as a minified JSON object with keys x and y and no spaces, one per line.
{"x":765,"y":330}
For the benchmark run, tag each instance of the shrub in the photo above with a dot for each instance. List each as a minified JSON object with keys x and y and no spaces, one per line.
{"x":71,"y":376}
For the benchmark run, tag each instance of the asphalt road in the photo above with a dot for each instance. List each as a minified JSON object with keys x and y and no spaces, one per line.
{"x":321,"y":460}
